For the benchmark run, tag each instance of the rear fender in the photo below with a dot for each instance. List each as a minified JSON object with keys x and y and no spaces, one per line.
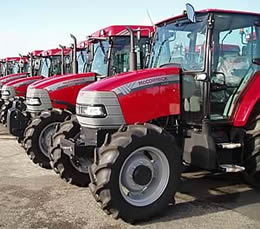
{"x":246,"y":102}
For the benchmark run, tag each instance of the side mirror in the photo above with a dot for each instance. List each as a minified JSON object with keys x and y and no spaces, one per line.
{"x":190,"y":13}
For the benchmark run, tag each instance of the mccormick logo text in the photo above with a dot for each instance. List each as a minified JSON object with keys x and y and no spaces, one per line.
{"x":152,"y":80}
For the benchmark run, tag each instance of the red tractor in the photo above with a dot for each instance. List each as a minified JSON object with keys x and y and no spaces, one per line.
{"x":25,"y":69}
{"x":59,"y":61}
{"x":202,"y":109}
{"x":53,"y":100}
{"x":48,"y":64}
{"x":12,"y":65}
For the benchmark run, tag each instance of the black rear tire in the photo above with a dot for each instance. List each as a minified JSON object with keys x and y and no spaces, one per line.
{"x":252,"y":149}
{"x":33,"y":132}
{"x":110,"y":159}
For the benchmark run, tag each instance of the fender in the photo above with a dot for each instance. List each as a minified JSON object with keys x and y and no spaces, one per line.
{"x":145,"y":94}
{"x":64,"y":87}
{"x":246,"y":101}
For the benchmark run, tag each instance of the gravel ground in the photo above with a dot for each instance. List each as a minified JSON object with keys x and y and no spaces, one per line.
{"x":33,"y":197}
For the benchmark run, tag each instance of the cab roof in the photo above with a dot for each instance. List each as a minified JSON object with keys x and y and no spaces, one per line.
{"x":36,"y":52}
{"x":51,"y":52}
{"x":121,"y":30}
{"x":82,"y":44}
{"x":210,"y":11}
{"x":8,"y":59}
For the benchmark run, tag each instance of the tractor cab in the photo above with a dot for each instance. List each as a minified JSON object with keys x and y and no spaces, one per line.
{"x":75,"y":62}
{"x":50,"y":62}
{"x":109,"y":53}
{"x":82,"y":50}
{"x":216,"y":53}
{"x":10,"y":65}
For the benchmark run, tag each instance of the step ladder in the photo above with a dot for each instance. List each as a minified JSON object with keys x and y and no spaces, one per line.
{"x":229,"y":168}
{"x":229,"y":145}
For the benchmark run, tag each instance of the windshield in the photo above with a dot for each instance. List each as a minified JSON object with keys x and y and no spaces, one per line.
{"x":45,"y":66}
{"x":99,"y":64}
{"x":15,"y":68}
{"x":82,"y":60}
{"x":180,"y":42}
{"x":25,"y":67}
{"x":120,"y":54}
{"x":55,"y":65}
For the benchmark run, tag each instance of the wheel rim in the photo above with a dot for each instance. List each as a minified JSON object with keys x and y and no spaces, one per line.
{"x":143,"y":188}
{"x":45,"y":137}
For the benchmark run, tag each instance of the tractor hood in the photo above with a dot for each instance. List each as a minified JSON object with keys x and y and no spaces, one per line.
{"x":21,"y":81}
{"x":12,"y":77}
{"x":137,"y":96}
{"x":63,"y":81}
{"x":124,"y":83}
{"x":57,"y":92}
{"x":18,"y":87}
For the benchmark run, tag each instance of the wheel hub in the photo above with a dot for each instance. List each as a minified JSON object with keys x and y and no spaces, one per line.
{"x":142,"y":175}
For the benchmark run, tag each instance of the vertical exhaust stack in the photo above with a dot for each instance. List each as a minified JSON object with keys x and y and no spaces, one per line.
{"x":30,"y":57}
{"x":132,"y":56}
{"x":75,"y":62}
{"x":62,"y":59}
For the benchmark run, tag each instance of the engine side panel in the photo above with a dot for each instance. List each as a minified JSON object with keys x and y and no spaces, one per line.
{"x":150,"y":98}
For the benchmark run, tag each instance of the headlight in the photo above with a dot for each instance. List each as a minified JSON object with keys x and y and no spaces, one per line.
{"x":91,"y":111}
{"x":5,"y":93}
{"x":33,"y":101}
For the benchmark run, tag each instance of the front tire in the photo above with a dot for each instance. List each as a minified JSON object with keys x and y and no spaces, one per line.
{"x":38,"y":135}
{"x":4,"y":109}
{"x":9,"y":104}
{"x":136,"y":172}
{"x":68,"y":168}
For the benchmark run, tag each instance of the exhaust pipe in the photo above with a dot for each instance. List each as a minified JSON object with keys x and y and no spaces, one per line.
{"x":75,"y":62}
{"x":62,"y":59}
{"x":30,"y":57}
{"x":132,"y":55}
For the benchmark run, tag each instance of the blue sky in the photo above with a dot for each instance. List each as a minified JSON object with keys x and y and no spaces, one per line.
{"x":28,"y":25}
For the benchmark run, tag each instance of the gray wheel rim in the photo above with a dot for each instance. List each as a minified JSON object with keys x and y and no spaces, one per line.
{"x":45,"y":137}
{"x":143,"y":195}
